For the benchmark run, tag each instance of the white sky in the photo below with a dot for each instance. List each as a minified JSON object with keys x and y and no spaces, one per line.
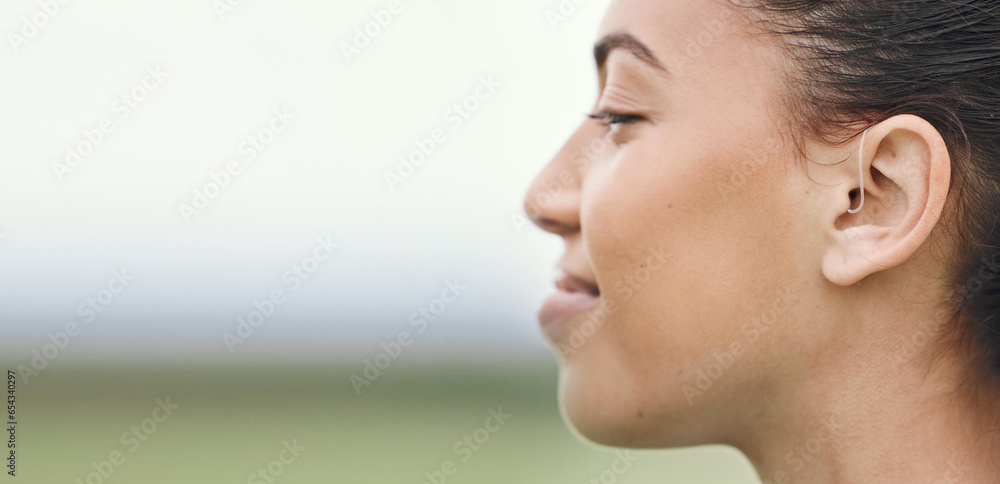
{"x":322,"y":175}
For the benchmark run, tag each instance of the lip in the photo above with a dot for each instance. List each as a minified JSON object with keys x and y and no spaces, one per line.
{"x":573,"y":297}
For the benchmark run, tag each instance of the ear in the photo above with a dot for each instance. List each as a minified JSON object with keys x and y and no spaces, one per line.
{"x":907,"y":173}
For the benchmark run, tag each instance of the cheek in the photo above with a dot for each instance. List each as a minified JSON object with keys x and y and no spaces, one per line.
{"x":683,"y":262}
{"x":662,"y":241}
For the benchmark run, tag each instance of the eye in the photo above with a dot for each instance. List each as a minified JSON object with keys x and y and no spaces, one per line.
{"x":613,"y":121}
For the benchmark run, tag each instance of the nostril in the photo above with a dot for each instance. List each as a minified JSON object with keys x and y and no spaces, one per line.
{"x":555,"y":227}
{"x":547,"y":223}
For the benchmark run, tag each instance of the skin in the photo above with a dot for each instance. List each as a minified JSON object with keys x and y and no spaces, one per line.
{"x":777,"y":322}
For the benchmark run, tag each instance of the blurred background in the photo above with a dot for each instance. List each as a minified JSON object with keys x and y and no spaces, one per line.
{"x":226,"y":227}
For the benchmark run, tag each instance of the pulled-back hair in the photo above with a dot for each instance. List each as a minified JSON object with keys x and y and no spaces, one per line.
{"x":855,"y":63}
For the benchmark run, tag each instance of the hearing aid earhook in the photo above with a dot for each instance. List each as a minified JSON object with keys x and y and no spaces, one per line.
{"x":861,"y":172}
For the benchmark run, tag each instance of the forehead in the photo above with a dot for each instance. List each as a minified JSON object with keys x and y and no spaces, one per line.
{"x":673,"y":29}
{"x":707,"y":46}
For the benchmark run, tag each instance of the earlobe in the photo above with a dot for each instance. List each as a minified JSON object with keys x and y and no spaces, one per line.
{"x":905,"y":172}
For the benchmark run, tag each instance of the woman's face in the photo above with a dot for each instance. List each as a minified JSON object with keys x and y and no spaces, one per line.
{"x":684,"y":215}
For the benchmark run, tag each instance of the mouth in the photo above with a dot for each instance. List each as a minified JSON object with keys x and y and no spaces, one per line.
{"x":573,"y":296}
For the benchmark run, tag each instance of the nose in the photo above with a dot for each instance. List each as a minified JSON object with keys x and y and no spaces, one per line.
{"x":553,"y":199}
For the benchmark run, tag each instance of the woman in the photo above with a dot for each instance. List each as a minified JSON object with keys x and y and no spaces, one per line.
{"x":781,"y":235}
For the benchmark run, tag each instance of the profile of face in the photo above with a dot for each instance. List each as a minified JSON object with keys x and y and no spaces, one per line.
{"x":709,"y":277}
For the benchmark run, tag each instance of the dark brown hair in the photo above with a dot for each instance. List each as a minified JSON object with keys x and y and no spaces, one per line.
{"x":855,"y":63}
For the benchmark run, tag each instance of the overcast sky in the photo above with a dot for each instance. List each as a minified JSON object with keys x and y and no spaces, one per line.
{"x":207,"y":151}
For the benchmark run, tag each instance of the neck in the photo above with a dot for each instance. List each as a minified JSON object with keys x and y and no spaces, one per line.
{"x":870,"y":415}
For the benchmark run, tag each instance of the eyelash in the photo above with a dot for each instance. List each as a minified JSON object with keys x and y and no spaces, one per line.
{"x":614,"y":119}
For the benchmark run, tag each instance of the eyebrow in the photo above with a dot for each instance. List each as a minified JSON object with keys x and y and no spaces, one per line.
{"x":628,"y":42}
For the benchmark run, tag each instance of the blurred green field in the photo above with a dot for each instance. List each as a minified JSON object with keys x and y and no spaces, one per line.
{"x":233,"y":420}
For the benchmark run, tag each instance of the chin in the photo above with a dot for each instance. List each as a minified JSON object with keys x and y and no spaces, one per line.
{"x":597,"y":413}
{"x":606,"y":406}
